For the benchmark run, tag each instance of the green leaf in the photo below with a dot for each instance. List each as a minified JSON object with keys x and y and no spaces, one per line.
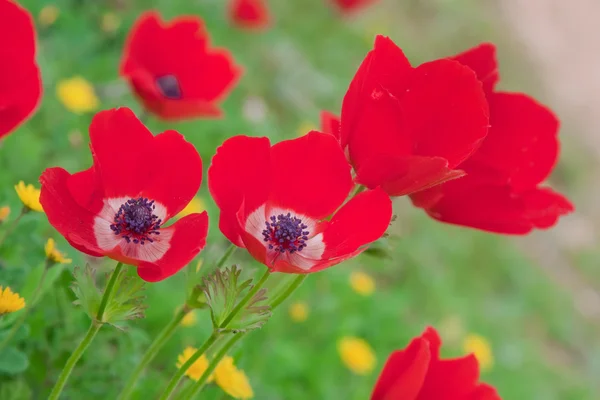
{"x":84,"y":287}
{"x":254,"y":314}
{"x":12,"y":361}
{"x":21,"y":334}
{"x":128,"y":301}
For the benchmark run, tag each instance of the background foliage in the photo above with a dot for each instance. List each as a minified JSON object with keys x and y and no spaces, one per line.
{"x":458,"y":280}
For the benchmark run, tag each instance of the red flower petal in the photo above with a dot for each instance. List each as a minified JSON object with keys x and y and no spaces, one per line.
{"x":400,"y":176}
{"x":445,"y":110}
{"x":404,"y":372}
{"x":521,"y":147}
{"x":362,"y":220}
{"x":239,"y":173}
{"x":189,"y":238}
{"x":351,"y":5}
{"x":249,"y":14}
{"x":65,"y":214}
{"x":18,"y":103}
{"x":482,"y":60}
{"x":330,"y":124}
{"x":385,"y":68}
{"x":310,"y":175}
{"x":175,"y":174}
{"x":484,"y":392}
{"x":120,"y":144}
{"x":86,"y":189}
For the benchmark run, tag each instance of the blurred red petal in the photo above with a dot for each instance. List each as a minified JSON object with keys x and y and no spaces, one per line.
{"x":249,"y":14}
{"x":482,"y":60}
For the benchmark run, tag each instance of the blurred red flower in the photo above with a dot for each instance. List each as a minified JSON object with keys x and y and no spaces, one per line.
{"x":501,"y":191}
{"x":330,"y":123}
{"x":119,"y":206}
{"x":417,"y":373}
{"x":174,"y":71}
{"x":20,"y":80}
{"x":249,"y":14}
{"x":351,"y":5}
{"x":406,"y":129}
{"x":275,"y":202}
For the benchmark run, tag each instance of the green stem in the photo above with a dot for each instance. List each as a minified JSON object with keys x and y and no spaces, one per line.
{"x":181,"y":371}
{"x":246,"y":299}
{"x":226,"y":256}
{"x":75,"y":356}
{"x":357,"y":190}
{"x":23,"y":316}
{"x":108,"y":292}
{"x":283,"y":296}
{"x":14,"y":224}
{"x":156,"y":345}
{"x":197,"y":386}
{"x":94,"y":328}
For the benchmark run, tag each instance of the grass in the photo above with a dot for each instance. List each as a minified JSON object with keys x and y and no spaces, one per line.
{"x":437,"y":273}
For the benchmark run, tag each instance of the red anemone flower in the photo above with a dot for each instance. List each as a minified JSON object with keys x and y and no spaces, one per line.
{"x":20,"y":81}
{"x":330,"y":123}
{"x":407,"y":129}
{"x":348,"y":6}
{"x":501,"y":191}
{"x":174,"y":71}
{"x":275,"y":201}
{"x":417,"y":373}
{"x":119,"y":206}
{"x":249,"y":14}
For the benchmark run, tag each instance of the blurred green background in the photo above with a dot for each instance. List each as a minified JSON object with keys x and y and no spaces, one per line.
{"x":523,"y":295}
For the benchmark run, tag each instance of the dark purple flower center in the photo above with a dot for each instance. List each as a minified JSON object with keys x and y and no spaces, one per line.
{"x":135,"y":221}
{"x":169,"y":87}
{"x":285,"y":233}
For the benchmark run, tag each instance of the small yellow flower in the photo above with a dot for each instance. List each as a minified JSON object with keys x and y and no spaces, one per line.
{"x":299,"y":311}
{"x":362,"y":283}
{"x":196,"y":370}
{"x":357,"y":355}
{"x":48,"y":15}
{"x":30,"y":196}
{"x":197,"y":205}
{"x":306,"y":127}
{"x":233,"y":381}
{"x":9,"y":301}
{"x":53,"y":255}
{"x":189,"y":319}
{"x":4,"y":213}
{"x":77,"y":95}
{"x":481,"y":348}
{"x":110,"y":22}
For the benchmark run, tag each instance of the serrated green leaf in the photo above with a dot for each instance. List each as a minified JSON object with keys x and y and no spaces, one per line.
{"x":13,"y":361}
{"x":222,"y":291}
{"x":128,"y":301}
{"x":253,"y":316}
{"x":84,"y":287}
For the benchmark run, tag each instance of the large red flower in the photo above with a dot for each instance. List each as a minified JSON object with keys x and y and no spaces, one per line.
{"x":417,"y":373}
{"x":501,"y":191}
{"x":407,"y":129}
{"x":20,"y":81}
{"x":347,"y":6}
{"x":173,"y":69}
{"x":275,"y":201}
{"x":119,"y":206}
{"x":249,"y":14}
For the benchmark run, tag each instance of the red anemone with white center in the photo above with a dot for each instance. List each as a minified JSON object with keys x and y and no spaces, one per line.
{"x":275,"y":202}
{"x":418,"y":373}
{"x":173,"y":69}
{"x":119,"y":207}
{"x":20,"y":80}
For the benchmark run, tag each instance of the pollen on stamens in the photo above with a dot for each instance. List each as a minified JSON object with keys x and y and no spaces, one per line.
{"x":135,"y":221}
{"x":285,"y":232}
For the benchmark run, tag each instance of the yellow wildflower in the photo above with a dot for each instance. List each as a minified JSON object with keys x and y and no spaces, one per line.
{"x":110,"y":22}
{"x":481,"y":348}
{"x":233,"y":381}
{"x":305,"y":127}
{"x":196,"y":370}
{"x":9,"y":301}
{"x":189,"y":319}
{"x":299,"y":311}
{"x":357,"y":355}
{"x":4,"y":213}
{"x":362,"y":283}
{"x":30,"y":196}
{"x":77,"y":95}
{"x":48,"y":15}
{"x":196,"y":205}
{"x":53,"y":255}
